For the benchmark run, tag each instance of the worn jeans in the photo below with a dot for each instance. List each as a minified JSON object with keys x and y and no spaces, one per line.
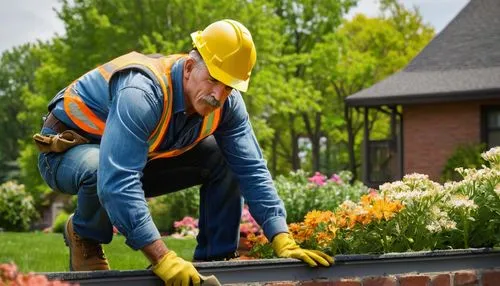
{"x":75,"y":172}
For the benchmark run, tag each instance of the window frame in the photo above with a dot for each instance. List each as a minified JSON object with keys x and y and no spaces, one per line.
{"x":485,"y":130}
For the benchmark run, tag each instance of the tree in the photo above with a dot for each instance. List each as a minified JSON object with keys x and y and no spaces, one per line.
{"x":98,"y":30}
{"x":308,"y":61}
{"x":17,"y":67}
{"x":299,"y":98}
{"x":366,"y":51}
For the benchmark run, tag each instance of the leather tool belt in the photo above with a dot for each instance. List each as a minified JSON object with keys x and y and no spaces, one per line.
{"x":62,"y":141}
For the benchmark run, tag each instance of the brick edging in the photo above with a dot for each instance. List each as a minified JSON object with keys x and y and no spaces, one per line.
{"x":466,"y":277}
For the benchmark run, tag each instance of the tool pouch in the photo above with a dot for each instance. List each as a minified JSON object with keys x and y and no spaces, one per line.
{"x":60,"y":142}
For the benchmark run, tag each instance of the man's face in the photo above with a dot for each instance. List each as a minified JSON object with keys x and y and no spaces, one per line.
{"x":202,"y":92}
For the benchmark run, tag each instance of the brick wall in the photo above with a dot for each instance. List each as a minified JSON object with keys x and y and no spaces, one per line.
{"x":482,"y":277}
{"x":431,"y":132}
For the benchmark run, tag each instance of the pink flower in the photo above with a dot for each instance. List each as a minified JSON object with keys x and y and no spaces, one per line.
{"x":318,"y":179}
{"x":372,"y":192}
{"x":188,"y":226}
{"x":248,"y":223}
{"x":187,"y":222}
{"x":336,"y":179}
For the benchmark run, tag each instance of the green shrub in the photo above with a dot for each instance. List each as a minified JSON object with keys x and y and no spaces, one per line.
{"x":302,"y":194}
{"x":17,"y":208}
{"x":465,"y":156}
{"x":59,"y":222}
{"x":173,"y":207}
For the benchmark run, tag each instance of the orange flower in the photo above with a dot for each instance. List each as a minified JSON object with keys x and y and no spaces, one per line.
{"x":327,"y":217}
{"x":294,"y":227}
{"x":253,"y":239}
{"x":313,"y":218}
{"x":364,"y":219}
{"x":300,"y":232}
{"x":323,"y":238}
{"x":385,"y":209}
{"x":352,"y":220}
{"x":341,"y":220}
{"x":366,"y":200}
{"x":333,"y":229}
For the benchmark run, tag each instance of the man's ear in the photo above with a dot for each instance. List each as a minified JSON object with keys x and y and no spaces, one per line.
{"x":189,"y":65}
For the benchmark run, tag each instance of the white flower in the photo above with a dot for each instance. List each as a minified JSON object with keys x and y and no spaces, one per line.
{"x":461,"y":201}
{"x":492,"y":155}
{"x":348,"y":205}
{"x":408,"y":196}
{"x":447,"y":224}
{"x":416,"y":177}
{"x":397,"y":186}
{"x":452,"y":186}
{"x":433,"y":227}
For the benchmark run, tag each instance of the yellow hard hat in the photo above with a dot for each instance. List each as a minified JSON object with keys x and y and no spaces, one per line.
{"x":228,"y":50}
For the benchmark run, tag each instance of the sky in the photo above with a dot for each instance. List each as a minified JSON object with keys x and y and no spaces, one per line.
{"x":23,"y":21}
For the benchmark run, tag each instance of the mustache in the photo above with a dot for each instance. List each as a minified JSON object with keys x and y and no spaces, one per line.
{"x":210,"y":100}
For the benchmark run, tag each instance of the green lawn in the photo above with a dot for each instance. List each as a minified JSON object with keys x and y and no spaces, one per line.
{"x":46,"y":252}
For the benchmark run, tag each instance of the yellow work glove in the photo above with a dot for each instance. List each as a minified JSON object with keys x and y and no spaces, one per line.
{"x":284,"y":246}
{"x":176,"y":271}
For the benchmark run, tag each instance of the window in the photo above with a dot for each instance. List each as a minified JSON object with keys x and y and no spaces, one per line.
{"x":491,"y":126}
{"x":382,"y":161}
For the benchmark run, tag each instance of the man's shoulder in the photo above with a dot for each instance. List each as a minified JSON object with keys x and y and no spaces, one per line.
{"x":135,"y":78}
{"x":234,"y":100}
{"x":234,"y":109}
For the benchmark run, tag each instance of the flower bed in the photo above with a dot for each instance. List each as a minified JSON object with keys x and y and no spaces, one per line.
{"x":9,"y":275}
{"x":408,"y":215}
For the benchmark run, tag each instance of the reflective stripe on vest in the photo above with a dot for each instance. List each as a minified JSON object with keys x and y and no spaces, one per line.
{"x":210,"y":123}
{"x":80,"y":113}
{"x":160,"y":68}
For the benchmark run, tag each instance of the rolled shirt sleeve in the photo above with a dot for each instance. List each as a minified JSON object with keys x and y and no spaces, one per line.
{"x":237,"y":141}
{"x":134,"y":113}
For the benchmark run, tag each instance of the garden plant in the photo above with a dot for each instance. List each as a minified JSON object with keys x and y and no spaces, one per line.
{"x":412,"y":214}
{"x":301,"y":193}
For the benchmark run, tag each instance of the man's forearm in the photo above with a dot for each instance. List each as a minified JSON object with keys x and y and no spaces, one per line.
{"x":155,"y":251}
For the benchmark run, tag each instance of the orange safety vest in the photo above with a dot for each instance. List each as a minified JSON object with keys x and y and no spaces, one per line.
{"x":159,"y":68}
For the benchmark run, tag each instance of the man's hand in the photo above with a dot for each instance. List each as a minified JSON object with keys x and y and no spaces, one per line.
{"x":284,"y":246}
{"x":176,"y":271}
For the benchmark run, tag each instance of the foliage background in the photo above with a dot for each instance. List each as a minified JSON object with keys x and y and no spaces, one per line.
{"x":309,"y":59}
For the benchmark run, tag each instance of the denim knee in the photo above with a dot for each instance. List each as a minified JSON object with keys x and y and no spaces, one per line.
{"x":47,"y":166}
{"x":77,"y":170}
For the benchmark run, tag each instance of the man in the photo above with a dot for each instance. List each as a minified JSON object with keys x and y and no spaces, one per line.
{"x":142,"y":126}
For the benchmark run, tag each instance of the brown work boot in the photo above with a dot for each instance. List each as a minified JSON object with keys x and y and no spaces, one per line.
{"x":84,"y":254}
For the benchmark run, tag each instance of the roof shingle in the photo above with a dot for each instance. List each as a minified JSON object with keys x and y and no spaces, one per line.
{"x":460,"y":63}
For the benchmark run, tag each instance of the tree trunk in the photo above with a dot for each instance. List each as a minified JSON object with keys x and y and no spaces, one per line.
{"x":295,"y":144}
{"x":274,"y":154}
{"x":328,"y":167}
{"x":316,"y":146}
{"x":350,"y":141}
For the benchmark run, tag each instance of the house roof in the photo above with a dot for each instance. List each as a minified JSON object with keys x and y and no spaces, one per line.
{"x":460,"y":63}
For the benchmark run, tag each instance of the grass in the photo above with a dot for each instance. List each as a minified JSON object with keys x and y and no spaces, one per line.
{"x":46,"y":252}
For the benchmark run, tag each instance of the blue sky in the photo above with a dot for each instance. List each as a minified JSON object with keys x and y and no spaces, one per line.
{"x":23,"y":21}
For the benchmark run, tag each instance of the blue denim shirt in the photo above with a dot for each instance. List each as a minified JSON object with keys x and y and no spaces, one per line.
{"x":135,"y":108}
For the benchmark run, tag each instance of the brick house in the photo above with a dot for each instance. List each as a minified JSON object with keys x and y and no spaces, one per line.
{"x":448,"y":95}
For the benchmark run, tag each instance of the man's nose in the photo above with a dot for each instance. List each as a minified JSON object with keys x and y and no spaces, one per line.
{"x":220,"y":91}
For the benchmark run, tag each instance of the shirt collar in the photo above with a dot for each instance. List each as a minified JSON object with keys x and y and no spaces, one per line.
{"x":178,"y":90}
